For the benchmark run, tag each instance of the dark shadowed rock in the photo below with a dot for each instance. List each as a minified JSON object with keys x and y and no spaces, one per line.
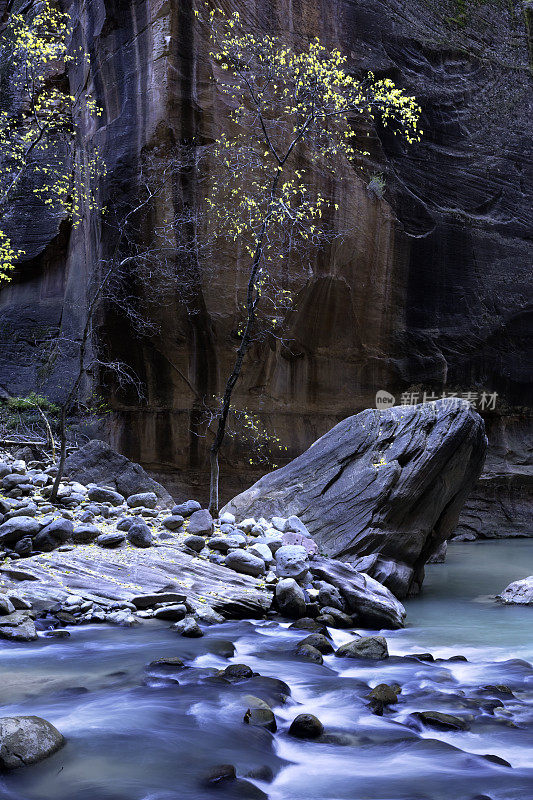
{"x":319,"y":642}
{"x":383,"y":486}
{"x":174,"y":522}
{"x":6,"y":605}
{"x":195,"y":543}
{"x":221,"y":774}
{"x":309,"y":624}
{"x":97,"y":462}
{"x":310,"y":653}
{"x":338,"y":619}
{"x":290,"y":598}
{"x":235,"y":673}
{"x":139,"y":535}
{"x":306,"y":726}
{"x":329,"y":595}
{"x":114,"y":539}
{"x":54,"y":534}
{"x":372,"y":647}
{"x":27,"y":740}
{"x":173,"y":613}
{"x":382,"y":696}
{"x":23,"y":547}
{"x":143,"y":601}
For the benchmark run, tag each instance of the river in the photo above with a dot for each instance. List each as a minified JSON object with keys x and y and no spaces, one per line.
{"x":151,"y":734}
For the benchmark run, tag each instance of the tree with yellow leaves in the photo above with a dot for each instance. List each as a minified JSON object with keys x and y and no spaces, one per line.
{"x":288,"y":107}
{"x":41,"y":122}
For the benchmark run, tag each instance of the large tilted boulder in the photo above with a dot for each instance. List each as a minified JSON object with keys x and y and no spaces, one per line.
{"x":97,"y":462}
{"x":382,"y":489}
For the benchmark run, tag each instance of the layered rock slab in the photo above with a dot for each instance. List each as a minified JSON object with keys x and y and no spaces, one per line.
{"x":381,"y":490}
{"x":89,"y":570}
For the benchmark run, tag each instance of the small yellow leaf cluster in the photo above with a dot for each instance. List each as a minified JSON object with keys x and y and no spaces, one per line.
{"x":40,"y":130}
{"x":8,"y":257}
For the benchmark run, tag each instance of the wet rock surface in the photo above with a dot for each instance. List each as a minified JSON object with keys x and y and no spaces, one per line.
{"x":27,"y":740}
{"x":518,"y":593}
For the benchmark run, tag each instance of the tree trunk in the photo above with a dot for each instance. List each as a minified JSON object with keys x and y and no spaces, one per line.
{"x":213,"y":490}
{"x":63,"y":453}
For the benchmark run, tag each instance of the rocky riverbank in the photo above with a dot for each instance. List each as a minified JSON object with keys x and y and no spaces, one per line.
{"x":97,"y":555}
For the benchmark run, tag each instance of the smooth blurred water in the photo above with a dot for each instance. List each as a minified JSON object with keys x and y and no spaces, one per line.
{"x":133,"y":735}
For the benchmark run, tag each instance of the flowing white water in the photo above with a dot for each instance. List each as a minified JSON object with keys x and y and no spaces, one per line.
{"x":134,"y":734}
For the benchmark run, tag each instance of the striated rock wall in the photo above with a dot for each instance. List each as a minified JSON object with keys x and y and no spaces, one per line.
{"x":428,"y":291}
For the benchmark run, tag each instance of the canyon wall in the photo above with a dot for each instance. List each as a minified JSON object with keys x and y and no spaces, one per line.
{"x":426,"y":293}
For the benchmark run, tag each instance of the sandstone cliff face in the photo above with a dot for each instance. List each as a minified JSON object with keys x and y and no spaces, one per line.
{"x":427,"y":293}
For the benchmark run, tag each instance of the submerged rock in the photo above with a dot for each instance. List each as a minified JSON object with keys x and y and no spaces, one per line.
{"x":261,"y":718}
{"x":383,"y":695}
{"x":189,"y":628}
{"x":384,"y":485}
{"x":442,"y":722}
{"x":221,"y":774}
{"x":27,"y":740}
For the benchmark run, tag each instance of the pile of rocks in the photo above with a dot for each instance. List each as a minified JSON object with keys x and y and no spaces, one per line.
{"x":30,"y":523}
{"x":279,"y":552}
